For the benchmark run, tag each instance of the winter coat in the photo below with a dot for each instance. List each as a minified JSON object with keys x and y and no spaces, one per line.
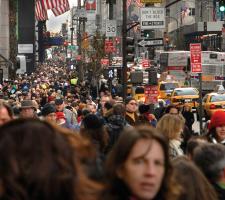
{"x":114,"y":127}
{"x":131,"y":121}
{"x":189,"y":118}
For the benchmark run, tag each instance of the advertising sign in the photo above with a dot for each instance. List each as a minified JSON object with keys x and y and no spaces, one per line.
{"x":196,"y":58}
{"x":152,"y":18}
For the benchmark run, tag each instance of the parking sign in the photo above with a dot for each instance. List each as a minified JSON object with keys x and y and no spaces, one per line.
{"x":196,"y":58}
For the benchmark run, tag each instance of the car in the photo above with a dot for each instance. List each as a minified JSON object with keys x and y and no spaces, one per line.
{"x":188,"y":96}
{"x":212,"y":102}
{"x":165,"y":89}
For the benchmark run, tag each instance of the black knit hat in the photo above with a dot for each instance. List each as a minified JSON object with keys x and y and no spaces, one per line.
{"x":128,"y":99}
{"x":47,"y":109}
{"x":143,"y":108}
{"x":58,"y":101}
{"x":92,"y":121}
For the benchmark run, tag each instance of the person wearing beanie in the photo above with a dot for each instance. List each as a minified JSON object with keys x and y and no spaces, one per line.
{"x":145,"y":117}
{"x":131,"y":111}
{"x":93,"y":129}
{"x":216,"y":128}
{"x":48,"y":113}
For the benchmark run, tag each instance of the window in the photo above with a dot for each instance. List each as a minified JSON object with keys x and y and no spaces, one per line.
{"x":190,"y":91}
{"x":217,"y":98}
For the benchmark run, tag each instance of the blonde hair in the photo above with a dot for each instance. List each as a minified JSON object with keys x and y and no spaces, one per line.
{"x":171,"y":125}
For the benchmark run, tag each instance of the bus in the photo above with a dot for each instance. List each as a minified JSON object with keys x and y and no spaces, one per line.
{"x":177,"y":64}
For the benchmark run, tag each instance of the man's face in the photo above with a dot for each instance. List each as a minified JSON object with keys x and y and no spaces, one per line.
{"x":4,"y":116}
{"x":104,"y":99}
{"x":51,"y":117}
{"x":27,"y":113}
{"x":174,"y":111}
{"x":132,"y":106}
{"x":59,"y":107}
{"x":92,"y":108}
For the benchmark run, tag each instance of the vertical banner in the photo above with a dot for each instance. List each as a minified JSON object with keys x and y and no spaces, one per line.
{"x":196,"y":57}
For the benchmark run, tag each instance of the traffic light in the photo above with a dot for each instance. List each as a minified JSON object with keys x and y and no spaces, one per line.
{"x":152,"y":76}
{"x":130,"y":49}
{"x":222,"y":5}
{"x":147,"y":33}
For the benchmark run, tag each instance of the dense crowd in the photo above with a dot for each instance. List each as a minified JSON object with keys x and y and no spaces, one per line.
{"x":57,"y":141}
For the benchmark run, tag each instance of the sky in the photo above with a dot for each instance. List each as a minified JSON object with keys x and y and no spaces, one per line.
{"x":54,"y":23}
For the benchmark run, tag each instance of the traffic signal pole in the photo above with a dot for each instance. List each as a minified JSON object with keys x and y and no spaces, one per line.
{"x":110,"y":54}
{"x":124,"y":51}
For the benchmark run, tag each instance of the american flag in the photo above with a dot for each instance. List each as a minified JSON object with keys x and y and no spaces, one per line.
{"x":128,"y":3}
{"x":40,"y":13}
{"x":49,"y":4}
{"x":58,"y":7}
{"x":62,"y":7}
{"x":138,"y":3}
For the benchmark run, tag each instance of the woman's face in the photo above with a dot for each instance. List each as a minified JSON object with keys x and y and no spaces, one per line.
{"x":144,"y":169}
{"x":220,"y":131}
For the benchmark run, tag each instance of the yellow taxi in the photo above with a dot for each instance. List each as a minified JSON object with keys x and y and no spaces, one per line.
{"x":212,"y":102}
{"x":139,"y":93}
{"x":165,"y":89}
{"x":188,"y":96}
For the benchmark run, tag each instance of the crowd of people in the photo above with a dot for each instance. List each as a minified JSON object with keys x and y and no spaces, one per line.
{"x":57,"y":141}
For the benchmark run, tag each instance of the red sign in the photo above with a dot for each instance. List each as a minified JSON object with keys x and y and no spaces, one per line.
{"x":105,"y":61}
{"x":90,"y":5}
{"x":78,"y":57}
{"x":145,"y":63}
{"x":151,"y":94}
{"x":196,"y":58}
{"x":109,"y":48}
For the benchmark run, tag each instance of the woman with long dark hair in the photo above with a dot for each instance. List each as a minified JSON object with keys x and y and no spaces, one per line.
{"x":138,"y":167}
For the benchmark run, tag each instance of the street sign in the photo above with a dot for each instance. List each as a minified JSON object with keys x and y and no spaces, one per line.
{"x":105,"y":61}
{"x":109,"y":48}
{"x":151,"y":1}
{"x":72,"y":47}
{"x":111,"y":28}
{"x":145,"y":63}
{"x":111,"y":74}
{"x":78,"y":57}
{"x":80,"y":13}
{"x":152,"y":18}
{"x":151,"y":42}
{"x":151,"y":94}
{"x":196,"y":58}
